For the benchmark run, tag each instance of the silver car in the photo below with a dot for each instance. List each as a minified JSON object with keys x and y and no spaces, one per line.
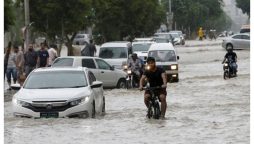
{"x":237,"y":41}
{"x":103,"y":71}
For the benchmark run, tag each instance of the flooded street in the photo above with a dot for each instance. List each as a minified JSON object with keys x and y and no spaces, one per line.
{"x":203,"y":108}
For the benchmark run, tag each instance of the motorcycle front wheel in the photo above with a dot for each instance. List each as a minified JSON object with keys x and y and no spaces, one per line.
{"x":226,"y":75}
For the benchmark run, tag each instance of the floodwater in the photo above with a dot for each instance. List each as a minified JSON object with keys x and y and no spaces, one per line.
{"x":203,"y":108}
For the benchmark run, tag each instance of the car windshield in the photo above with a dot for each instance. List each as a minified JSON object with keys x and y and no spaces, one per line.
{"x":56,"y":79}
{"x":161,"y":40}
{"x":141,"y":47}
{"x":163,"y":55}
{"x":175,"y":35}
{"x":113,"y":52}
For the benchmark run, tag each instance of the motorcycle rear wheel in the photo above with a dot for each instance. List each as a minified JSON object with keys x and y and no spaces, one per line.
{"x":157,"y":111}
{"x":226,"y":75}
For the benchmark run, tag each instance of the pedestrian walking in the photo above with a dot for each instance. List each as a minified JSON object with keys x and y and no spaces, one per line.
{"x":11,"y":71}
{"x":20,"y":66}
{"x":30,"y":58}
{"x":92,"y":48}
{"x":52,"y":54}
{"x":200,"y":33}
{"x":6,"y":57}
{"x":43,"y":56}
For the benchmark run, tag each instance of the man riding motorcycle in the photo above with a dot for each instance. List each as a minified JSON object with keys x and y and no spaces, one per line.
{"x":231,"y":58}
{"x":136,"y":65}
{"x":156,"y":76}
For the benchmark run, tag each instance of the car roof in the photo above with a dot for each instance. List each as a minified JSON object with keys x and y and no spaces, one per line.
{"x":144,"y":39}
{"x":60,"y":69}
{"x":161,"y":46}
{"x":78,"y":57}
{"x":117,"y":44}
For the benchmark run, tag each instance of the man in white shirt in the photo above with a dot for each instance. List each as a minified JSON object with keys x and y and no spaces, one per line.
{"x":52,"y":54}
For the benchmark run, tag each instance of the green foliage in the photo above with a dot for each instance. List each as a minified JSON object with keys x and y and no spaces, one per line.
{"x":244,"y":5}
{"x":57,"y":17}
{"x":8,"y":15}
{"x":195,"y":13}
{"x":116,"y":19}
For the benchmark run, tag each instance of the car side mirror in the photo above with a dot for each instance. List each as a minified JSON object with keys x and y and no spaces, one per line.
{"x":178,"y":57}
{"x":112,"y":68}
{"x":96,"y":84}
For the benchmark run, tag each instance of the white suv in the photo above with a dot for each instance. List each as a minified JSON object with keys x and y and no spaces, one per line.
{"x":103,"y":71}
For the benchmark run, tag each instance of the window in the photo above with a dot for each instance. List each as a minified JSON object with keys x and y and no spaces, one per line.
{"x":113,"y":52}
{"x":163,"y":55}
{"x":102,"y":64}
{"x":63,"y":62}
{"x":237,"y":37}
{"x":245,"y":37}
{"x":89,"y":63}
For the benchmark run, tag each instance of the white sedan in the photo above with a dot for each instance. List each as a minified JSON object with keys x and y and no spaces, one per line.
{"x":59,"y":92}
{"x":237,"y":41}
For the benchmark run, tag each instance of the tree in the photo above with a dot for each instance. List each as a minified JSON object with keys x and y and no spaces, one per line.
{"x":8,"y":14}
{"x":244,"y":5}
{"x":191,"y":14}
{"x":116,"y":19}
{"x":62,"y":18}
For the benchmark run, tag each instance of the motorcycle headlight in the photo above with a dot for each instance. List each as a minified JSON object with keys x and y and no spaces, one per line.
{"x":173,"y":67}
{"x":225,"y":64}
{"x":21,"y":103}
{"x":129,"y":72}
{"x":125,"y":67}
{"x":79,"y":101}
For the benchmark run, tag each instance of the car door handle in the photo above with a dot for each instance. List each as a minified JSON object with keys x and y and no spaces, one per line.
{"x":102,"y":71}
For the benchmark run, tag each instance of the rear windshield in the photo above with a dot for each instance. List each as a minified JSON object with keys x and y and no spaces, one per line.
{"x":163,"y":55}
{"x":113,"y":52}
{"x":141,"y":47}
{"x":63,"y":62}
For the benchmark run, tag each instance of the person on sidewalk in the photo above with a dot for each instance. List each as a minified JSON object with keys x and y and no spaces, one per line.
{"x":31,"y":58}
{"x":43,"y":56}
{"x":52,"y":54}
{"x":6,"y":57}
{"x":11,"y":70}
{"x":20,"y":66}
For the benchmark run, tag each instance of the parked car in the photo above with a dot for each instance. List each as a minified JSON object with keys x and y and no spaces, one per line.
{"x":237,"y":41}
{"x":165,"y":35}
{"x":141,"y":49}
{"x":82,"y":39}
{"x":245,"y":29}
{"x":59,"y":92}
{"x":166,"y":57}
{"x":115,"y":53}
{"x":103,"y":71}
{"x":182,"y":36}
{"x":161,"y":40}
{"x":177,"y":38}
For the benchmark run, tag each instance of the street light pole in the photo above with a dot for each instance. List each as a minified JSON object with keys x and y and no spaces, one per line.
{"x":27,"y":22}
{"x":170,"y":16}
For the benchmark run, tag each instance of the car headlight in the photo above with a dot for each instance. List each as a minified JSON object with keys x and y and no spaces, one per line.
{"x":21,"y":103}
{"x":79,"y":101}
{"x":173,"y":67}
{"x":147,"y":67}
{"x":129,"y":72}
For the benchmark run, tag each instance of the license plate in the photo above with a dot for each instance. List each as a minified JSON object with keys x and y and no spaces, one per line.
{"x":49,"y":115}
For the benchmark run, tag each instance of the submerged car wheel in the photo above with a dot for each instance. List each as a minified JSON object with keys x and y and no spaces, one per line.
{"x":103,"y":106}
{"x":121,"y":83}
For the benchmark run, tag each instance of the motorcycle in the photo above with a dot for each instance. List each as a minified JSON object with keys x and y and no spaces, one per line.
{"x":229,"y":71}
{"x":154,"y":110}
{"x":132,"y":80}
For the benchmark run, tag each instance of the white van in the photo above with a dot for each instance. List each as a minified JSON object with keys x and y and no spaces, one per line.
{"x":165,"y":57}
{"x":115,"y":53}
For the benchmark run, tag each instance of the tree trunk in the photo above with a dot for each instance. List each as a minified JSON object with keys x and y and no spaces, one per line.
{"x":70,"y":48}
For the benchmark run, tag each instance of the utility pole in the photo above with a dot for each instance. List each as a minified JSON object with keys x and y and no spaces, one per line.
{"x":27,"y":22}
{"x":170,"y":16}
